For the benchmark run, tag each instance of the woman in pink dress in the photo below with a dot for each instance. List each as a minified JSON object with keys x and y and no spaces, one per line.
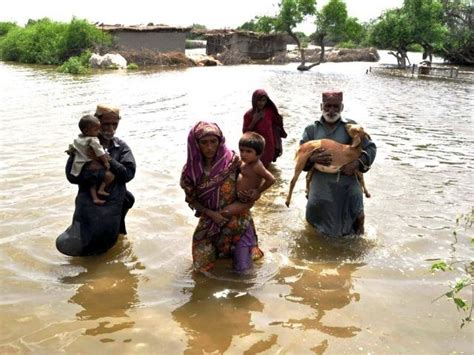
{"x":264,"y":119}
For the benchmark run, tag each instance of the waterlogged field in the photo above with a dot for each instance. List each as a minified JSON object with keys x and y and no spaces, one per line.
{"x":368,"y":295}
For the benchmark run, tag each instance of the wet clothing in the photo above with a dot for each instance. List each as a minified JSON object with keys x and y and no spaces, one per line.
{"x":270,"y":127}
{"x":95,"y":228}
{"x":335,"y":201}
{"x":81,"y":146}
{"x":237,"y":238}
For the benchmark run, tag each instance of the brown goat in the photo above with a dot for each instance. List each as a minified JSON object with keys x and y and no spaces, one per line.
{"x":341,"y":154}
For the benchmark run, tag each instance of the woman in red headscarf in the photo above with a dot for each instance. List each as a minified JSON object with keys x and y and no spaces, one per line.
{"x":209,"y":180}
{"x":264,"y":119}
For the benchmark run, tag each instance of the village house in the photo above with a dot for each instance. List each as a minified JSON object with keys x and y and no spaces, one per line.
{"x":250,"y":44}
{"x":159,"y":38}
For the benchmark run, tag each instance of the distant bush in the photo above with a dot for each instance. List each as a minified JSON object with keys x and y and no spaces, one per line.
{"x":77,"y":64}
{"x":132,"y":66}
{"x":5,"y":27}
{"x":73,"y":66}
{"x":194,"y":43}
{"x":348,"y":44}
{"x":48,"y":42}
{"x":415,"y":48}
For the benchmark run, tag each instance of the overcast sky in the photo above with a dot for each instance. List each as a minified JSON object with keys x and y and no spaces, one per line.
{"x":211,"y":13}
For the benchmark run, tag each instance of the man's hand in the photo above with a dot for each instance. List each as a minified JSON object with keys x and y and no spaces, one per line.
{"x":320,"y":156}
{"x":351,"y":168}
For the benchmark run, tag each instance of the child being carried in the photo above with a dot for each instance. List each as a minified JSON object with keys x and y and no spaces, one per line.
{"x":254,"y":178}
{"x":82,"y":148}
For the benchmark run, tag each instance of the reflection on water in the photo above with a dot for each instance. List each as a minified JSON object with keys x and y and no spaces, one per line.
{"x":323,"y":287}
{"x":107,"y":289}
{"x":215,"y":313}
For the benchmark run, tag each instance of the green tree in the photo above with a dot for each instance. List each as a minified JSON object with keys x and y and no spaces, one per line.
{"x":48,"y":42}
{"x":354,"y":30}
{"x":291,"y":13}
{"x":5,"y":27}
{"x":79,"y":36}
{"x":458,"y":44}
{"x":197,"y":32}
{"x":265,"y":24}
{"x":426,"y":24}
{"x":393,"y":30}
{"x":330,"y":23}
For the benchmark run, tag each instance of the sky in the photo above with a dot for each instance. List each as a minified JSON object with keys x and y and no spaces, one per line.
{"x":183,"y":13}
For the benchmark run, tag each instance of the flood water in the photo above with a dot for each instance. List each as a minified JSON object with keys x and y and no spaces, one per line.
{"x":308,"y":295}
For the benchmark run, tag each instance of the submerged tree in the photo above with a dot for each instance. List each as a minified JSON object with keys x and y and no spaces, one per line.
{"x":292,"y":13}
{"x":393,"y":31}
{"x":426,"y":24}
{"x":459,"y":41}
{"x":331,"y":23}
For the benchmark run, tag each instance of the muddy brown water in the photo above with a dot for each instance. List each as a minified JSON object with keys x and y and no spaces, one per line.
{"x":308,"y":295}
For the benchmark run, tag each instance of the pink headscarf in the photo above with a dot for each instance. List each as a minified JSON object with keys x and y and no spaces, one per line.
{"x":206,"y":191}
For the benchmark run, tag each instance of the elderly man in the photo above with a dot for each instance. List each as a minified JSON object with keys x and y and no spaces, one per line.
{"x":95,"y":228}
{"x":335,"y":203}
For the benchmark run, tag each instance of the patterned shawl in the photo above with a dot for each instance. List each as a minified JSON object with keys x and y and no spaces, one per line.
{"x":195,"y":185}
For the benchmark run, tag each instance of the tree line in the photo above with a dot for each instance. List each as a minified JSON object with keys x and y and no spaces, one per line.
{"x":441,"y":27}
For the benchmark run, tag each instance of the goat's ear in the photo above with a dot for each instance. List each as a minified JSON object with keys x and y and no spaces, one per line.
{"x":356,"y":141}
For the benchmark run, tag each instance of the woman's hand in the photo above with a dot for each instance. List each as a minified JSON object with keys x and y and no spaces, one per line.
{"x":216,"y":217}
{"x":251,"y":195}
{"x":320,"y":156}
{"x":351,"y":168}
{"x":257,"y":116}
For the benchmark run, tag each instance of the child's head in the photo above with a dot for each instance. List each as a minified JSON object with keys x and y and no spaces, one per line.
{"x":89,"y":126}
{"x":251,"y":146}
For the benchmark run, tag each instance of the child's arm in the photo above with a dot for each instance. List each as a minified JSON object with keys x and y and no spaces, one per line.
{"x":268,"y":178}
{"x":104,"y":159}
{"x":100,"y":152}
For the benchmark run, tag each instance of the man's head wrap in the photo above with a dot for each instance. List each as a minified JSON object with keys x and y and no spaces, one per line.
{"x":332,"y":95}
{"x":105,"y":109}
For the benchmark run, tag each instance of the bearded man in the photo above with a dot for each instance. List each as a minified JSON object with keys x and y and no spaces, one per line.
{"x":335,"y":202}
{"x":96,"y":228}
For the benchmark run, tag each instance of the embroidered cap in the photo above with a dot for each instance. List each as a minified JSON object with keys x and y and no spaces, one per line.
{"x":332,"y":95}
{"x":103,"y":109}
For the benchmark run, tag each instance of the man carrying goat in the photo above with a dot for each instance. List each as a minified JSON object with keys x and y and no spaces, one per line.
{"x":335,"y":202}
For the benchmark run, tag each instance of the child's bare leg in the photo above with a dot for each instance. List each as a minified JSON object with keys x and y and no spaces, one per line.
{"x":108,"y":179}
{"x":235,"y":209}
{"x":94,"y":196}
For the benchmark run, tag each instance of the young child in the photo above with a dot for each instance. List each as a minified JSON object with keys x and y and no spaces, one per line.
{"x":85,"y":142}
{"x":253,"y":174}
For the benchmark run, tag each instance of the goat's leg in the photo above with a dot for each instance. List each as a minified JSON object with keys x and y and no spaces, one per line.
{"x":300,"y":163}
{"x":361,"y":180}
{"x":309,"y":177}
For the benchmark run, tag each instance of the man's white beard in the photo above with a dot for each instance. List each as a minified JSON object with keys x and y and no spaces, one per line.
{"x":107,"y":135}
{"x":332,"y":119}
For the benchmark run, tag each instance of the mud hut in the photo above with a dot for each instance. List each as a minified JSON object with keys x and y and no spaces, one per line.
{"x":157,"y":38}
{"x":249,"y":44}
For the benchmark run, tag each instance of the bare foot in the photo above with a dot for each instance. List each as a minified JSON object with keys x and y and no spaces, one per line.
{"x":99,"y":202}
{"x":103,"y":193}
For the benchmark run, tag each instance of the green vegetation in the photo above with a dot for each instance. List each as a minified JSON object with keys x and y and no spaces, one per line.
{"x":463,"y":223}
{"x":443,"y":27}
{"x":197,"y":32}
{"x":49,"y":42}
{"x":132,"y":66}
{"x":5,"y":27}
{"x":77,"y":64}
